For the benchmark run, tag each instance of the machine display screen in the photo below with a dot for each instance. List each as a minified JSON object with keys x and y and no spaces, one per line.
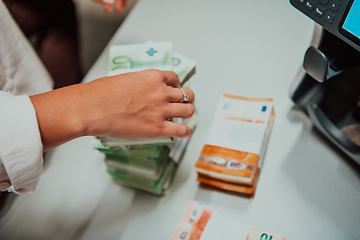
{"x":352,"y":21}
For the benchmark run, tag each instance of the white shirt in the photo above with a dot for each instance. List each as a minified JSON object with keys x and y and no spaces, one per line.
{"x":21,"y":75}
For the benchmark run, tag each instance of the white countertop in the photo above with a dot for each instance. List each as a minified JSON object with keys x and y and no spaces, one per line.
{"x":307,"y":189}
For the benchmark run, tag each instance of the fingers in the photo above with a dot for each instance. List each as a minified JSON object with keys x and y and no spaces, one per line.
{"x":109,"y":4}
{"x":107,"y":8}
{"x":176,"y":130}
{"x":178,"y":110}
{"x":176,"y":95}
{"x":171,"y":78}
{"x":119,"y":5}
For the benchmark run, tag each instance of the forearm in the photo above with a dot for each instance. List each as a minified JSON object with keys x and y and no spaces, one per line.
{"x":60,"y":115}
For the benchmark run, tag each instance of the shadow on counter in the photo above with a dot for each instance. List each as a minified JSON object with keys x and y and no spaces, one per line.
{"x":326,"y":178}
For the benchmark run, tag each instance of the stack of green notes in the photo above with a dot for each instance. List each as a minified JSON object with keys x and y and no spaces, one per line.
{"x":157,"y":187}
{"x":146,"y":164}
{"x":146,"y":167}
{"x":149,"y":167}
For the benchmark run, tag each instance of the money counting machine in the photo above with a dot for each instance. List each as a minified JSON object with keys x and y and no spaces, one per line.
{"x":327,"y":86}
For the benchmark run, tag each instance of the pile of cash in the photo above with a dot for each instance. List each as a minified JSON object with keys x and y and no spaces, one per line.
{"x":147,"y":164}
{"x":199,"y":222}
{"x":234,"y":151}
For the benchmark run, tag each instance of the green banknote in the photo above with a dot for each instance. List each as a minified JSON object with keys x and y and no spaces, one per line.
{"x":115,"y":142}
{"x":138,"y":57}
{"x":149,"y":168}
{"x":155,"y":187}
{"x":147,"y":151}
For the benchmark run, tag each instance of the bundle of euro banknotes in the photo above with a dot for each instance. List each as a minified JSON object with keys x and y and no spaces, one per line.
{"x":233,"y":154}
{"x":200,"y":223}
{"x":146,"y":164}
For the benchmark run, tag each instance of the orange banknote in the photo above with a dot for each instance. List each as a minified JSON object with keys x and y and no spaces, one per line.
{"x":234,"y":151}
{"x":200,"y":223}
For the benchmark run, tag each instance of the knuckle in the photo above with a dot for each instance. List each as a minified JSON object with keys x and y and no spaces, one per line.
{"x":160,"y":93}
{"x":156,"y":75}
{"x":164,"y":91}
{"x":158,"y":128}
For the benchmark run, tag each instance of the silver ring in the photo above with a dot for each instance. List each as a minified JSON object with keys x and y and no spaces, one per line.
{"x":185,"y":97}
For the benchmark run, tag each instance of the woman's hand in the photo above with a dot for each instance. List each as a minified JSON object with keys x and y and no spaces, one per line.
{"x":119,"y":5}
{"x":137,"y":105}
{"x":128,"y":106}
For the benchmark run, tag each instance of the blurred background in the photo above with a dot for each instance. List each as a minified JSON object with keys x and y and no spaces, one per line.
{"x":96,"y":28}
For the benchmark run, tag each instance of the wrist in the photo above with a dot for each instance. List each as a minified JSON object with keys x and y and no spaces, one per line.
{"x":60,"y":115}
{"x":77,"y":111}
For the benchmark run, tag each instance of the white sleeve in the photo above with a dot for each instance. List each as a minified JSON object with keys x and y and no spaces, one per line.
{"x":20,"y":144}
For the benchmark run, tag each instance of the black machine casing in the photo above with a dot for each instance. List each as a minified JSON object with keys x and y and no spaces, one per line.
{"x":331,"y":15}
{"x":332,"y":104}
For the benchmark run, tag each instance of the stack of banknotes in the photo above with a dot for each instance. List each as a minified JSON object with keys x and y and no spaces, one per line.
{"x":234,"y":151}
{"x":200,"y":223}
{"x":147,"y":164}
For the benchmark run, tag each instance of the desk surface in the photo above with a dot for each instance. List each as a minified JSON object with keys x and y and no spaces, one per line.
{"x":307,"y":189}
